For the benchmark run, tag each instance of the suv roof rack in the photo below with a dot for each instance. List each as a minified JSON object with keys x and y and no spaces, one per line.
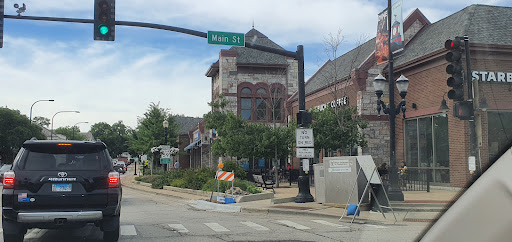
{"x":33,"y":138}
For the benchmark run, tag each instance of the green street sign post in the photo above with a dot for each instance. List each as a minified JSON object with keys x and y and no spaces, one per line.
{"x":225,"y":38}
{"x":165,"y":160}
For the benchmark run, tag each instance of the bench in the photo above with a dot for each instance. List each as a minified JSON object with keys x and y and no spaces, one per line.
{"x":265,"y":184}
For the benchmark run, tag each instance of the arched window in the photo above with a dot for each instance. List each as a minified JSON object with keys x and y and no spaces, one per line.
{"x":246,"y":90}
{"x":261,"y":91}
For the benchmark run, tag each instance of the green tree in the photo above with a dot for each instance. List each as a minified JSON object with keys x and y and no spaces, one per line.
{"x":338,"y":129}
{"x":115,"y":136}
{"x":15,"y":129}
{"x":42,"y":121}
{"x":71,"y":133}
{"x":150,"y":131}
{"x":242,"y":139}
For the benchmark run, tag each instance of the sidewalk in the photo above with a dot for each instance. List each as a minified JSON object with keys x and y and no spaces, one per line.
{"x":419,"y":206}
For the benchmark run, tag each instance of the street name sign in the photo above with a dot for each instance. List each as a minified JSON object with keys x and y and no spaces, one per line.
{"x":225,"y":38}
{"x":304,"y":138}
{"x":305,"y":153}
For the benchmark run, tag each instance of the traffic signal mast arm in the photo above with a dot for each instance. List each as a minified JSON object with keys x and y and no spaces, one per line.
{"x":155,"y":26}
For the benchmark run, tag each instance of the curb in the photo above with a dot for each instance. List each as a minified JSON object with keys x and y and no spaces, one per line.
{"x":205,"y":205}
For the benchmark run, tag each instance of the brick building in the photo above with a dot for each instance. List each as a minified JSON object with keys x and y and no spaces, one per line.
{"x":429,"y":140}
{"x":255,"y":83}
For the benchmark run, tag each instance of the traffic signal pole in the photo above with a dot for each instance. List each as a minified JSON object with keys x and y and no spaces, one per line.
{"x":472,"y":124}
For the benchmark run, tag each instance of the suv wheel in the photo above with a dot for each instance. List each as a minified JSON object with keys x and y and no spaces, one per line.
{"x":111,"y":229}
{"x":12,"y":231}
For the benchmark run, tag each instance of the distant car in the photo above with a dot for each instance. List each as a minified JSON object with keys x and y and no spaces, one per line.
{"x":3,"y":169}
{"x":122,"y":164}
{"x":120,"y":169}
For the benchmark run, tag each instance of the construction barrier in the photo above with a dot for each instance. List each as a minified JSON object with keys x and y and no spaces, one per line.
{"x":225,"y":176}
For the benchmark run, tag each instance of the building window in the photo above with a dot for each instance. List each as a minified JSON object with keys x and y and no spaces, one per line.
{"x":276,"y":104}
{"x":427,"y":149}
{"x":246,"y":90}
{"x":499,"y":132}
{"x":261,"y":109}
{"x":261,"y":91}
{"x":246,"y":108}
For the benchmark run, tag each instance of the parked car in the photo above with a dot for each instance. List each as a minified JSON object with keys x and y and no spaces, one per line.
{"x":122,"y":164}
{"x":55,"y":185}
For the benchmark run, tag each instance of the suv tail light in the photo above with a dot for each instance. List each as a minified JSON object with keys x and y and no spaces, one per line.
{"x":9,"y":179}
{"x":113,"y":179}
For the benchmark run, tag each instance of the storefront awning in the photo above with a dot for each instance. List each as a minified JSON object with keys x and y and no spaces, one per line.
{"x":191,"y":145}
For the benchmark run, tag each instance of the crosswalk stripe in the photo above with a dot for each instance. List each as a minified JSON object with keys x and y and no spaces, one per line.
{"x":216,"y":227}
{"x":254,"y":226}
{"x":292,"y":224}
{"x":128,"y":230}
{"x":179,"y":228}
{"x":329,"y":224}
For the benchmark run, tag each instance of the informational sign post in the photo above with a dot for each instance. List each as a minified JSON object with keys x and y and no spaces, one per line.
{"x":226,"y":38}
{"x":304,"y":138}
{"x":305,"y":153}
{"x":165,"y":155}
{"x":472,"y":163}
{"x":305,"y":164}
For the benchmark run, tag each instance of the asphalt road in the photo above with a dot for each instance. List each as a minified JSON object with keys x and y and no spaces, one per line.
{"x":149,"y":217}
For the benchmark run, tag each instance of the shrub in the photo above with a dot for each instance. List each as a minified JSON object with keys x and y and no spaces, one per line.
{"x":138,"y":178}
{"x":195,"y":179}
{"x":225,"y":185}
{"x":167,"y":178}
{"x":252,"y":189}
{"x":232,"y":165}
{"x":149,"y":178}
{"x":181,"y":183}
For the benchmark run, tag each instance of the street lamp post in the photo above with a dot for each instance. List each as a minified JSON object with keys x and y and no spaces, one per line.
{"x":402,"y":83}
{"x":72,"y":130}
{"x":49,"y":100}
{"x":51,"y":133}
{"x":166,"y":125}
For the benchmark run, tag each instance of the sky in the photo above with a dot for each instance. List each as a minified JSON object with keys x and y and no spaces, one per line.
{"x":112,"y":81}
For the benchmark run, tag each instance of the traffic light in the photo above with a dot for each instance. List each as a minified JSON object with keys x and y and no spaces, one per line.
{"x":104,"y":20}
{"x":456,"y":81}
{"x":463,"y":110}
{"x":1,"y":23}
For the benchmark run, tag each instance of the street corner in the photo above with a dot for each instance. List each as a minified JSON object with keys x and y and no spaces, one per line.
{"x":216,"y":207}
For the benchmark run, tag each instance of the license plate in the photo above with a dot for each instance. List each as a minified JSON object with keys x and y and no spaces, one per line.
{"x":61,"y":187}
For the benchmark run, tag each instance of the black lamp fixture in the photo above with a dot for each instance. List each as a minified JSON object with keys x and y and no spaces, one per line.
{"x":444,"y":107}
{"x":483,"y":104}
{"x":379,"y":83}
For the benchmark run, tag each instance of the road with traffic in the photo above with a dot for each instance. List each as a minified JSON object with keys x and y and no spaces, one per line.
{"x":150,"y":217}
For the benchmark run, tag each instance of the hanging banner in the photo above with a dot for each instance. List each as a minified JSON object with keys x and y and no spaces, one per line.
{"x":397,"y":29}
{"x":382,"y":44}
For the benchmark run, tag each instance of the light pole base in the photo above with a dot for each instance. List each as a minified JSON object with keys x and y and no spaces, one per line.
{"x":304,"y":195}
{"x":395,"y":194}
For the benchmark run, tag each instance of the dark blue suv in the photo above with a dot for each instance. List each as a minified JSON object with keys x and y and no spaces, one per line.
{"x":61,"y":184}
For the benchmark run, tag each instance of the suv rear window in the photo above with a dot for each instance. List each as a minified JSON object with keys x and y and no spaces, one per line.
{"x":53,"y":157}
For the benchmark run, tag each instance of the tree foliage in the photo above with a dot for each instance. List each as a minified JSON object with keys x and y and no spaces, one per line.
{"x":42,"y":121}
{"x":115,"y":136}
{"x":242,"y":139}
{"x":338,"y":129}
{"x":15,"y":129}
{"x":150,"y":131}
{"x":71,"y":133}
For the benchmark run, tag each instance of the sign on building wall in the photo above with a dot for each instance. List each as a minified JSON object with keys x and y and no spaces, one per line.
{"x":196,"y":136}
{"x":490,"y":76}
{"x":334,"y":103}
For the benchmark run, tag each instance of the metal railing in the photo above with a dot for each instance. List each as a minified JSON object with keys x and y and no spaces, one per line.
{"x":415,"y":179}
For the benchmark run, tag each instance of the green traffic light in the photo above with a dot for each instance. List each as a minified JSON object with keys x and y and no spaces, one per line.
{"x":103,"y":29}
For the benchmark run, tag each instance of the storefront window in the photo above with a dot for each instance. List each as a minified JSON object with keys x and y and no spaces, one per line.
{"x":426,"y":145}
{"x":499,"y":132}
